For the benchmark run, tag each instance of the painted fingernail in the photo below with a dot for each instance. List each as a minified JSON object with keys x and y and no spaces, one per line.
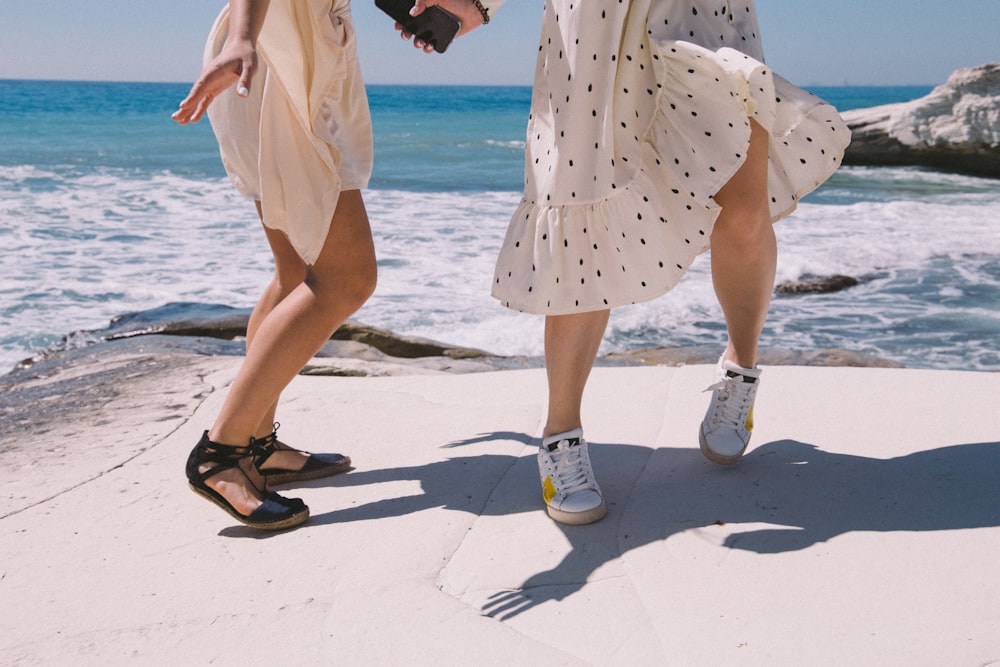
{"x":243,"y":91}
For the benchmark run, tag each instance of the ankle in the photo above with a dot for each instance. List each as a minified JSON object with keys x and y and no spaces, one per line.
{"x":746,"y":361}
{"x":562,"y":435}
{"x":219,"y":436}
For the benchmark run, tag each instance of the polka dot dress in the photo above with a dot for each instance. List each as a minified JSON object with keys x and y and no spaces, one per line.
{"x":640,"y":114}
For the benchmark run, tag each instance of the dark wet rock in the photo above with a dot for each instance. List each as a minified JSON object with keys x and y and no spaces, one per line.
{"x":361,"y":350}
{"x":809,"y":284}
{"x":227,"y":326}
{"x":404,"y":347}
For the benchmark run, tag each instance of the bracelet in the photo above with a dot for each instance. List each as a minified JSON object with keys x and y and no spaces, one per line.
{"x":482,"y":10}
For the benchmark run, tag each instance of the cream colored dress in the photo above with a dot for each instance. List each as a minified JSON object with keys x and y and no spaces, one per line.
{"x":640,"y":114}
{"x":304,"y":133}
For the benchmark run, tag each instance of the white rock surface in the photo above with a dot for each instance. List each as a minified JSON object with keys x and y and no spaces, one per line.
{"x":963,"y":112}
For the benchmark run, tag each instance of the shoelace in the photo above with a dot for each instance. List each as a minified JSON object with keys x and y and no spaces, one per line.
{"x":726,"y":410}
{"x":571,"y":472}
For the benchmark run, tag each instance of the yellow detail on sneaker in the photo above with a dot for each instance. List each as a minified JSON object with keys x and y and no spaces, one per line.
{"x":548,"y":490}
{"x":749,"y":421}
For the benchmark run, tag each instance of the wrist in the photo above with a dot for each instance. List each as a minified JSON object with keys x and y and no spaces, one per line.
{"x":488,"y":8}
{"x":483,"y":10}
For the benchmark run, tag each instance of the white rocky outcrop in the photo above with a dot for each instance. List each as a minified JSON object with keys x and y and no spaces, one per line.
{"x":956,"y":127}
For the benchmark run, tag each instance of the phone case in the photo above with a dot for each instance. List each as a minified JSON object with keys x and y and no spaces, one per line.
{"x":434,"y":25}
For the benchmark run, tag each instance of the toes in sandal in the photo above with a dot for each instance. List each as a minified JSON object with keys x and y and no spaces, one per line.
{"x":274,"y":513}
{"x":317,"y":466}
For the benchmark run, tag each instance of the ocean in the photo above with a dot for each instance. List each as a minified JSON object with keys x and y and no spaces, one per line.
{"x":108,"y":207}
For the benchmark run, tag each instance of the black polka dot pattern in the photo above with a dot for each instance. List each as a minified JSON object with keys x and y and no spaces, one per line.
{"x":635,"y":124}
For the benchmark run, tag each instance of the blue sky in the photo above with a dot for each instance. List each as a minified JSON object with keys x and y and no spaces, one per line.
{"x":855,"y":42}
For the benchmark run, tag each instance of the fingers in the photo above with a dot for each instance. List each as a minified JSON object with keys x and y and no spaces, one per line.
{"x":191,"y":113}
{"x":418,"y":7}
{"x":187,"y":111}
{"x":417,"y":42}
{"x":193,"y":107}
{"x":217,"y":77}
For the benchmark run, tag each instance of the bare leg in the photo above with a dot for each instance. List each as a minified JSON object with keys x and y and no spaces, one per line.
{"x":289,"y":273}
{"x":286,"y":338}
{"x":744,"y":252}
{"x":571,"y":344}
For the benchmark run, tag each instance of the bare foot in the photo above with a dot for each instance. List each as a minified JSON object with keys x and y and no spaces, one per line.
{"x":235,"y":485}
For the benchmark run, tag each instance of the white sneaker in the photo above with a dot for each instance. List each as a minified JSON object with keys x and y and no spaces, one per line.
{"x":571,"y":493}
{"x":725,"y":431}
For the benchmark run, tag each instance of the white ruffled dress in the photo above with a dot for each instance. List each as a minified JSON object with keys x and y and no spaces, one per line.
{"x":640,"y":114}
{"x":304,"y":134}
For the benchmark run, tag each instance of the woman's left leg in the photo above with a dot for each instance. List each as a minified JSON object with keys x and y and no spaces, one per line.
{"x":283,"y":463}
{"x":744,"y":252}
{"x":744,"y":260}
{"x":289,"y":335}
{"x":283,"y":340}
{"x":289,"y":273}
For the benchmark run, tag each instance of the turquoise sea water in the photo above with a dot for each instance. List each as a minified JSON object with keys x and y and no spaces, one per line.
{"x":107,"y":207}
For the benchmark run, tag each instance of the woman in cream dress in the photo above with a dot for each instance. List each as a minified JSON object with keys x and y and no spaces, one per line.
{"x":656,"y":132}
{"x":283,"y":90}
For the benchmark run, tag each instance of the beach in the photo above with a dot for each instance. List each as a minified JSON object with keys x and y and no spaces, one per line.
{"x":860,"y":527}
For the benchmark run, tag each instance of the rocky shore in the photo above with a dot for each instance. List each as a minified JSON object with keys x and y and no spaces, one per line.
{"x":955,"y":128}
{"x":143,"y":374}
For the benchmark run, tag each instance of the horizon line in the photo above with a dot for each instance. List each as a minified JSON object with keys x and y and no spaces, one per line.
{"x":441,"y":85}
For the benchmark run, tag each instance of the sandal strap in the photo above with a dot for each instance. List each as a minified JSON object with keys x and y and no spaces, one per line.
{"x":225,"y":457}
{"x":214,"y":452}
{"x":268,"y":445}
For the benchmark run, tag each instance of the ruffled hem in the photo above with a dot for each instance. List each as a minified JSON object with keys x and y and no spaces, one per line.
{"x":571,"y":251}
{"x":807,"y":137}
{"x":637,"y":243}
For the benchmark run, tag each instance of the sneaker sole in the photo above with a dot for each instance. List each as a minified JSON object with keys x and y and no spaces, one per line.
{"x":578,"y":518}
{"x":714,"y":456}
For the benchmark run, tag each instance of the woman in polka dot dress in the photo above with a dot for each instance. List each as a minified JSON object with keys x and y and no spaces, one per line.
{"x":656,"y":132}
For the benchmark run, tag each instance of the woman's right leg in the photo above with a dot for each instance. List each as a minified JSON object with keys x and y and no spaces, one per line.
{"x":571,"y":345}
{"x":569,"y":488}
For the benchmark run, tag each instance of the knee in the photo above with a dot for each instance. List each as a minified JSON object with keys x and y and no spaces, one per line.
{"x":347,"y":292}
{"x":362,"y":286}
{"x":744,"y":227}
{"x":284,"y":282}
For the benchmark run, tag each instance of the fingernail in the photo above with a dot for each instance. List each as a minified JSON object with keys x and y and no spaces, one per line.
{"x":242,"y":91}
{"x":413,"y":10}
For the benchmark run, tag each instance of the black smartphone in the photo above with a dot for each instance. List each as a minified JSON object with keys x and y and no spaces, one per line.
{"x":434,"y":25}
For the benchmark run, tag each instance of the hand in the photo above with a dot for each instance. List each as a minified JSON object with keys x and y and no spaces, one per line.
{"x":466,"y":13}
{"x":235,"y":63}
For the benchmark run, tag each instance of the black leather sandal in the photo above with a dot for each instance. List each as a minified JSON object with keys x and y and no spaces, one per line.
{"x":317,"y":466}
{"x":275,"y":512}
